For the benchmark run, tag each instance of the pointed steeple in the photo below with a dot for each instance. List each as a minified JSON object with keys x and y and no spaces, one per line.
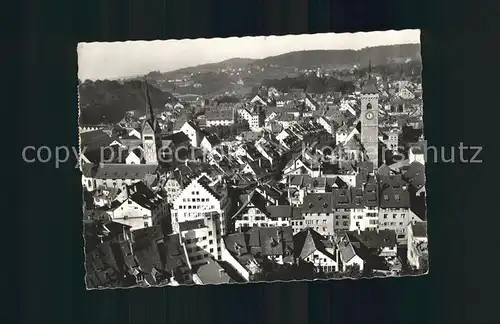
{"x":149,"y":109}
{"x":369,"y":87}
{"x":369,"y":68}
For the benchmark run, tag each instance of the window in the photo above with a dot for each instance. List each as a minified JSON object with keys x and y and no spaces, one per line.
{"x":394,"y":216}
{"x":385,"y":216}
{"x":369,"y":106}
{"x":211,"y":242}
{"x":146,"y":224}
{"x":211,"y":250}
{"x":209,"y":233}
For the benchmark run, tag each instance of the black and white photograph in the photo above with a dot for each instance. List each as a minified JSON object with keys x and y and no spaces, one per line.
{"x":252,"y":159}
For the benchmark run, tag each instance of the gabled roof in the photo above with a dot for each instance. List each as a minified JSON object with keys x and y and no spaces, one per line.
{"x":213,"y":139}
{"x":255,"y":199}
{"x":177,"y":138}
{"x":373,"y":239}
{"x":307,"y":241}
{"x":317,"y":203}
{"x":121,"y":171}
{"x":353,"y":144}
{"x":143,"y":196}
{"x":191,"y":124}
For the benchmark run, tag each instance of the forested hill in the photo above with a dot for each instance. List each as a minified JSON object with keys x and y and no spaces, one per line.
{"x":107,"y":101}
{"x":310,"y":59}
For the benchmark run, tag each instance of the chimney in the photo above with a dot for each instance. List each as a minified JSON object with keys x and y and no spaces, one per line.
{"x":221,"y":272}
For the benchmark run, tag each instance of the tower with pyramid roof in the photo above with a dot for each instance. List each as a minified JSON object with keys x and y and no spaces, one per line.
{"x":369,"y":119}
{"x":151,"y":132}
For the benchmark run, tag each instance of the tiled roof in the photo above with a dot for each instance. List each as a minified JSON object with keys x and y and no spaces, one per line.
{"x":307,"y":241}
{"x":415,"y":175}
{"x":374,"y":239}
{"x":393,"y":192}
{"x":236,"y":243}
{"x":317,"y":203}
{"x":177,"y":138}
{"x":341,"y":198}
{"x":213,"y":273}
{"x":123,"y":171}
{"x":284,"y":211}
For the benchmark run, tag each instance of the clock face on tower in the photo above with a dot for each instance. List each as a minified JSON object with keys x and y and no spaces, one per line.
{"x":369,"y":115}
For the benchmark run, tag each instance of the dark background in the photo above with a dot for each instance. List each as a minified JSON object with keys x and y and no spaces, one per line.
{"x":42,"y":227}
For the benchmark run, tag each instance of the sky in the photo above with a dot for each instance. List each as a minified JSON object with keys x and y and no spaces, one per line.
{"x":100,"y":60}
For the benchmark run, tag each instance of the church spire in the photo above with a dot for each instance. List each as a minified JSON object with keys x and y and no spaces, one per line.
{"x":369,"y":68}
{"x":149,"y":109}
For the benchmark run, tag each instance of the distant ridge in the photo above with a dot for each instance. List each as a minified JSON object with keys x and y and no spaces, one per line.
{"x":310,"y":59}
{"x":315,"y":58}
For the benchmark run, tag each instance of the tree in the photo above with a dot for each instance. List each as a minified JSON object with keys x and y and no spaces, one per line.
{"x":353,"y":271}
{"x":189,"y":111}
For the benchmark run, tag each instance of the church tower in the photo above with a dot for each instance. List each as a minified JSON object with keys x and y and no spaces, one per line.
{"x":369,"y":119}
{"x":151,"y":133}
